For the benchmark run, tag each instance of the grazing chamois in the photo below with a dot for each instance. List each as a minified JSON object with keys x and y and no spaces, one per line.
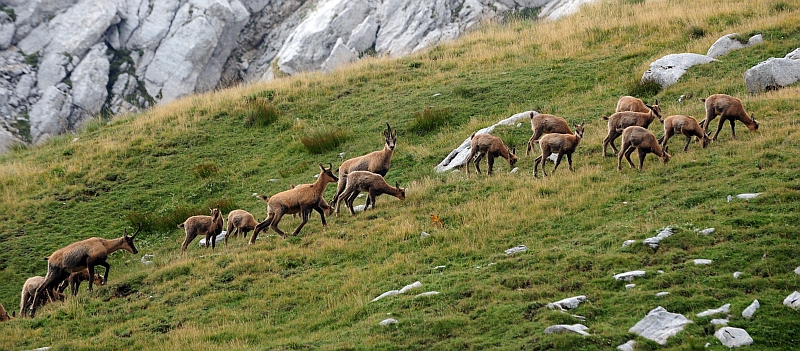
{"x":28,"y":292}
{"x":490,"y":146}
{"x":83,"y":254}
{"x":301,"y":199}
{"x":371,"y":183}
{"x":4,"y":317}
{"x":728,"y":108}
{"x":375,"y":162}
{"x":242,"y":222}
{"x":686,"y":125}
{"x":542,"y":124}
{"x":642,"y":140}
{"x":74,"y":281}
{"x":210,"y":226}
{"x":630,"y":103}
{"x":562,"y":144}
{"x":624,"y":119}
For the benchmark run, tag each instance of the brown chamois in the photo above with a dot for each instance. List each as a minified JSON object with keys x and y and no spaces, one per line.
{"x":375,"y":162}
{"x":728,"y":108}
{"x":323,"y":205}
{"x":86,"y":253}
{"x":686,"y":125}
{"x":624,"y":119}
{"x":210,"y":226}
{"x":371,"y":183}
{"x":29,"y":290}
{"x":542,"y":124}
{"x":302,"y":199}
{"x":76,"y":278}
{"x":642,"y":140}
{"x":4,"y":317}
{"x":562,"y":144}
{"x":239,"y":222}
{"x":630,"y":103}
{"x":490,"y":146}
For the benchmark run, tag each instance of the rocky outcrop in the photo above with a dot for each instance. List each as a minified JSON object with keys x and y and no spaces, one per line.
{"x":732,"y":42}
{"x":773,"y":73}
{"x":69,"y":60}
{"x":667,"y":70}
{"x":733,"y":337}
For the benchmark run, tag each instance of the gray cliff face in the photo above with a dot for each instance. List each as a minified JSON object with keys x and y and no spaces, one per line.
{"x":63,"y":62}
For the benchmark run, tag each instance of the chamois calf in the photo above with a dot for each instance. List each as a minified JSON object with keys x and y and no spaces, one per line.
{"x":490,"y":146}
{"x":630,"y":103}
{"x":4,"y":317}
{"x":728,"y":108}
{"x":28,"y":292}
{"x":562,"y":144}
{"x":686,"y":125}
{"x":642,"y":140}
{"x":82,"y":254}
{"x":543,"y":124}
{"x":242,"y":222}
{"x":302,"y":199}
{"x":375,"y":162}
{"x":210,"y":226}
{"x":74,"y":281}
{"x":621,"y":120}
{"x":369,"y":182}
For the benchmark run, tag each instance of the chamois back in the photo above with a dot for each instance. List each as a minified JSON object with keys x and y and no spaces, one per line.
{"x":209,"y":226}
{"x":490,"y":146}
{"x":729,"y":109}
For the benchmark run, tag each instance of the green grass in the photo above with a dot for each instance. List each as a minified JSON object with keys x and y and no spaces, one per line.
{"x":314,"y":291}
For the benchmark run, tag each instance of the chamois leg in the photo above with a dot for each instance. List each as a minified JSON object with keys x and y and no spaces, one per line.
{"x":477,"y":162}
{"x":348,"y":200}
{"x":733,"y":131}
{"x":261,"y":226}
{"x":321,"y":215}
{"x":665,"y":139}
{"x":610,"y":140}
{"x":469,"y":159}
{"x":274,"y":224}
{"x":536,"y":163}
{"x":719,"y":127}
{"x":569,"y":159}
{"x":490,"y":161}
{"x":532,"y":141}
{"x":339,"y":189}
{"x":304,"y":218}
{"x":371,"y":198}
{"x":558,"y":162}
{"x":51,"y":280}
{"x":189,"y":238}
{"x":686,"y":147}
{"x":344,"y":196}
{"x":642,"y":154}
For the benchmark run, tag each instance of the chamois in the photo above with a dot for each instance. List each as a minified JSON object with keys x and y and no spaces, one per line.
{"x":490,"y":146}
{"x":375,"y":162}
{"x":29,"y":289}
{"x":630,"y":103}
{"x":242,"y":222}
{"x":86,"y":253}
{"x":4,"y":317}
{"x":302,"y":199}
{"x":686,"y":125}
{"x":560,"y":143}
{"x":74,"y":281}
{"x":210,"y":226}
{"x":728,"y":108}
{"x":624,"y":119}
{"x":373,"y":184}
{"x":543,"y":124}
{"x":642,"y":140}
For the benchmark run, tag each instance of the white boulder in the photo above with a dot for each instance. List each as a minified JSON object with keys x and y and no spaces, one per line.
{"x":340,"y":56}
{"x":773,"y":73}
{"x":628,"y":346}
{"x":567,"y":304}
{"x":733,"y":337}
{"x":628,"y":276}
{"x":793,"y":300}
{"x":659,"y":325}
{"x":751,"y":310}
{"x":49,"y":116}
{"x":89,"y":81}
{"x":7,"y":29}
{"x":516,"y":249}
{"x":667,"y":70}
{"x":737,"y":274}
{"x":730,"y":42}
{"x":702,"y":261}
{"x":388,"y":321}
{"x":564,"y":328}
{"x":719,"y":321}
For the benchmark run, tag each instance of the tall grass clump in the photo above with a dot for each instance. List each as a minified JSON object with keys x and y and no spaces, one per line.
{"x":260,"y":113}
{"x":323,"y":139}
{"x":643,"y":89}
{"x":429,"y":119}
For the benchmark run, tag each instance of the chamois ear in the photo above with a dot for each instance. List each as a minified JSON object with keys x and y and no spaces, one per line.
{"x":513,"y":150}
{"x":656,"y":103}
{"x":397,"y":184}
{"x":532,"y":115}
{"x":650,"y":107}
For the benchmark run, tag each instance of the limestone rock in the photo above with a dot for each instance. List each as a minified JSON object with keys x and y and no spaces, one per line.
{"x":659,"y":325}
{"x":628,"y":276}
{"x":793,"y":300}
{"x":516,"y":249}
{"x":702,"y":261}
{"x":7,"y":139}
{"x":627,"y":243}
{"x":654,"y":241}
{"x":733,"y":337}
{"x":49,"y":116}
{"x":797,"y":270}
{"x":737,"y":274}
{"x":662,"y":294}
{"x":728,"y":43}
{"x":773,"y":73}
{"x":89,"y":81}
{"x":340,"y":55}
{"x":568,"y":303}
{"x":563,"y":328}
{"x":556,"y":9}
{"x":751,"y":310}
{"x":628,"y":346}
{"x":7,"y":29}
{"x":719,"y":321}
{"x":388,"y":321}
{"x":218,"y":239}
{"x":363,"y":36}
{"x":667,"y":70}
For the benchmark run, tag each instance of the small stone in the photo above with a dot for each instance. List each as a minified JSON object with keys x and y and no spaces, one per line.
{"x":628,"y":346}
{"x":751,"y":310}
{"x":519,"y":125}
{"x":733,"y":337}
{"x":707,"y":231}
{"x":702,"y":261}
{"x":793,"y":300}
{"x":737,"y":274}
{"x":388,"y":321}
{"x":423,"y":235}
{"x":429,"y":293}
{"x":708,"y":344}
{"x":719,"y":321}
{"x":273,"y":180}
{"x":515,"y":170}
{"x":660,"y":271}
{"x":627,"y":243}
{"x":628,"y":276}
{"x":414,"y":285}
{"x":661,"y":294}
{"x":629,"y":286}
{"x":563,"y":328}
{"x":724,"y":309}
{"x":439,"y":267}
{"x":659,"y":324}
{"x":730,"y":198}
{"x":568,"y":303}
{"x":797,"y":270}
{"x":516,"y":249}
{"x":437,"y":94}
{"x":748,"y":196}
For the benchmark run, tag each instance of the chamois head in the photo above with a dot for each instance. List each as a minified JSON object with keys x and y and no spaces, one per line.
{"x":753,"y":127}
{"x":129,"y":246}
{"x":215,"y":213}
{"x":512,"y":156}
{"x":327,"y":173}
{"x":98,"y":279}
{"x":665,"y":155}
{"x":400,"y":191}
{"x":656,"y":109}
{"x":390,"y":136}
{"x":705,"y":140}
{"x":579,"y":129}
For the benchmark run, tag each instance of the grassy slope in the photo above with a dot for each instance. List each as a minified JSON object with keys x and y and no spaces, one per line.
{"x":314,"y":291}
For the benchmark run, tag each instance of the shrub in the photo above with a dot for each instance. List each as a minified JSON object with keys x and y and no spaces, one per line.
{"x":260,"y":113}
{"x":696,"y":32}
{"x":430,"y":119}
{"x":205,"y":170}
{"x":323,"y":139}
{"x":645,"y":89}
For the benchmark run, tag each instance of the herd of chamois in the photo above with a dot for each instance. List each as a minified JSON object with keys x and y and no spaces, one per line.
{"x":76,"y":262}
